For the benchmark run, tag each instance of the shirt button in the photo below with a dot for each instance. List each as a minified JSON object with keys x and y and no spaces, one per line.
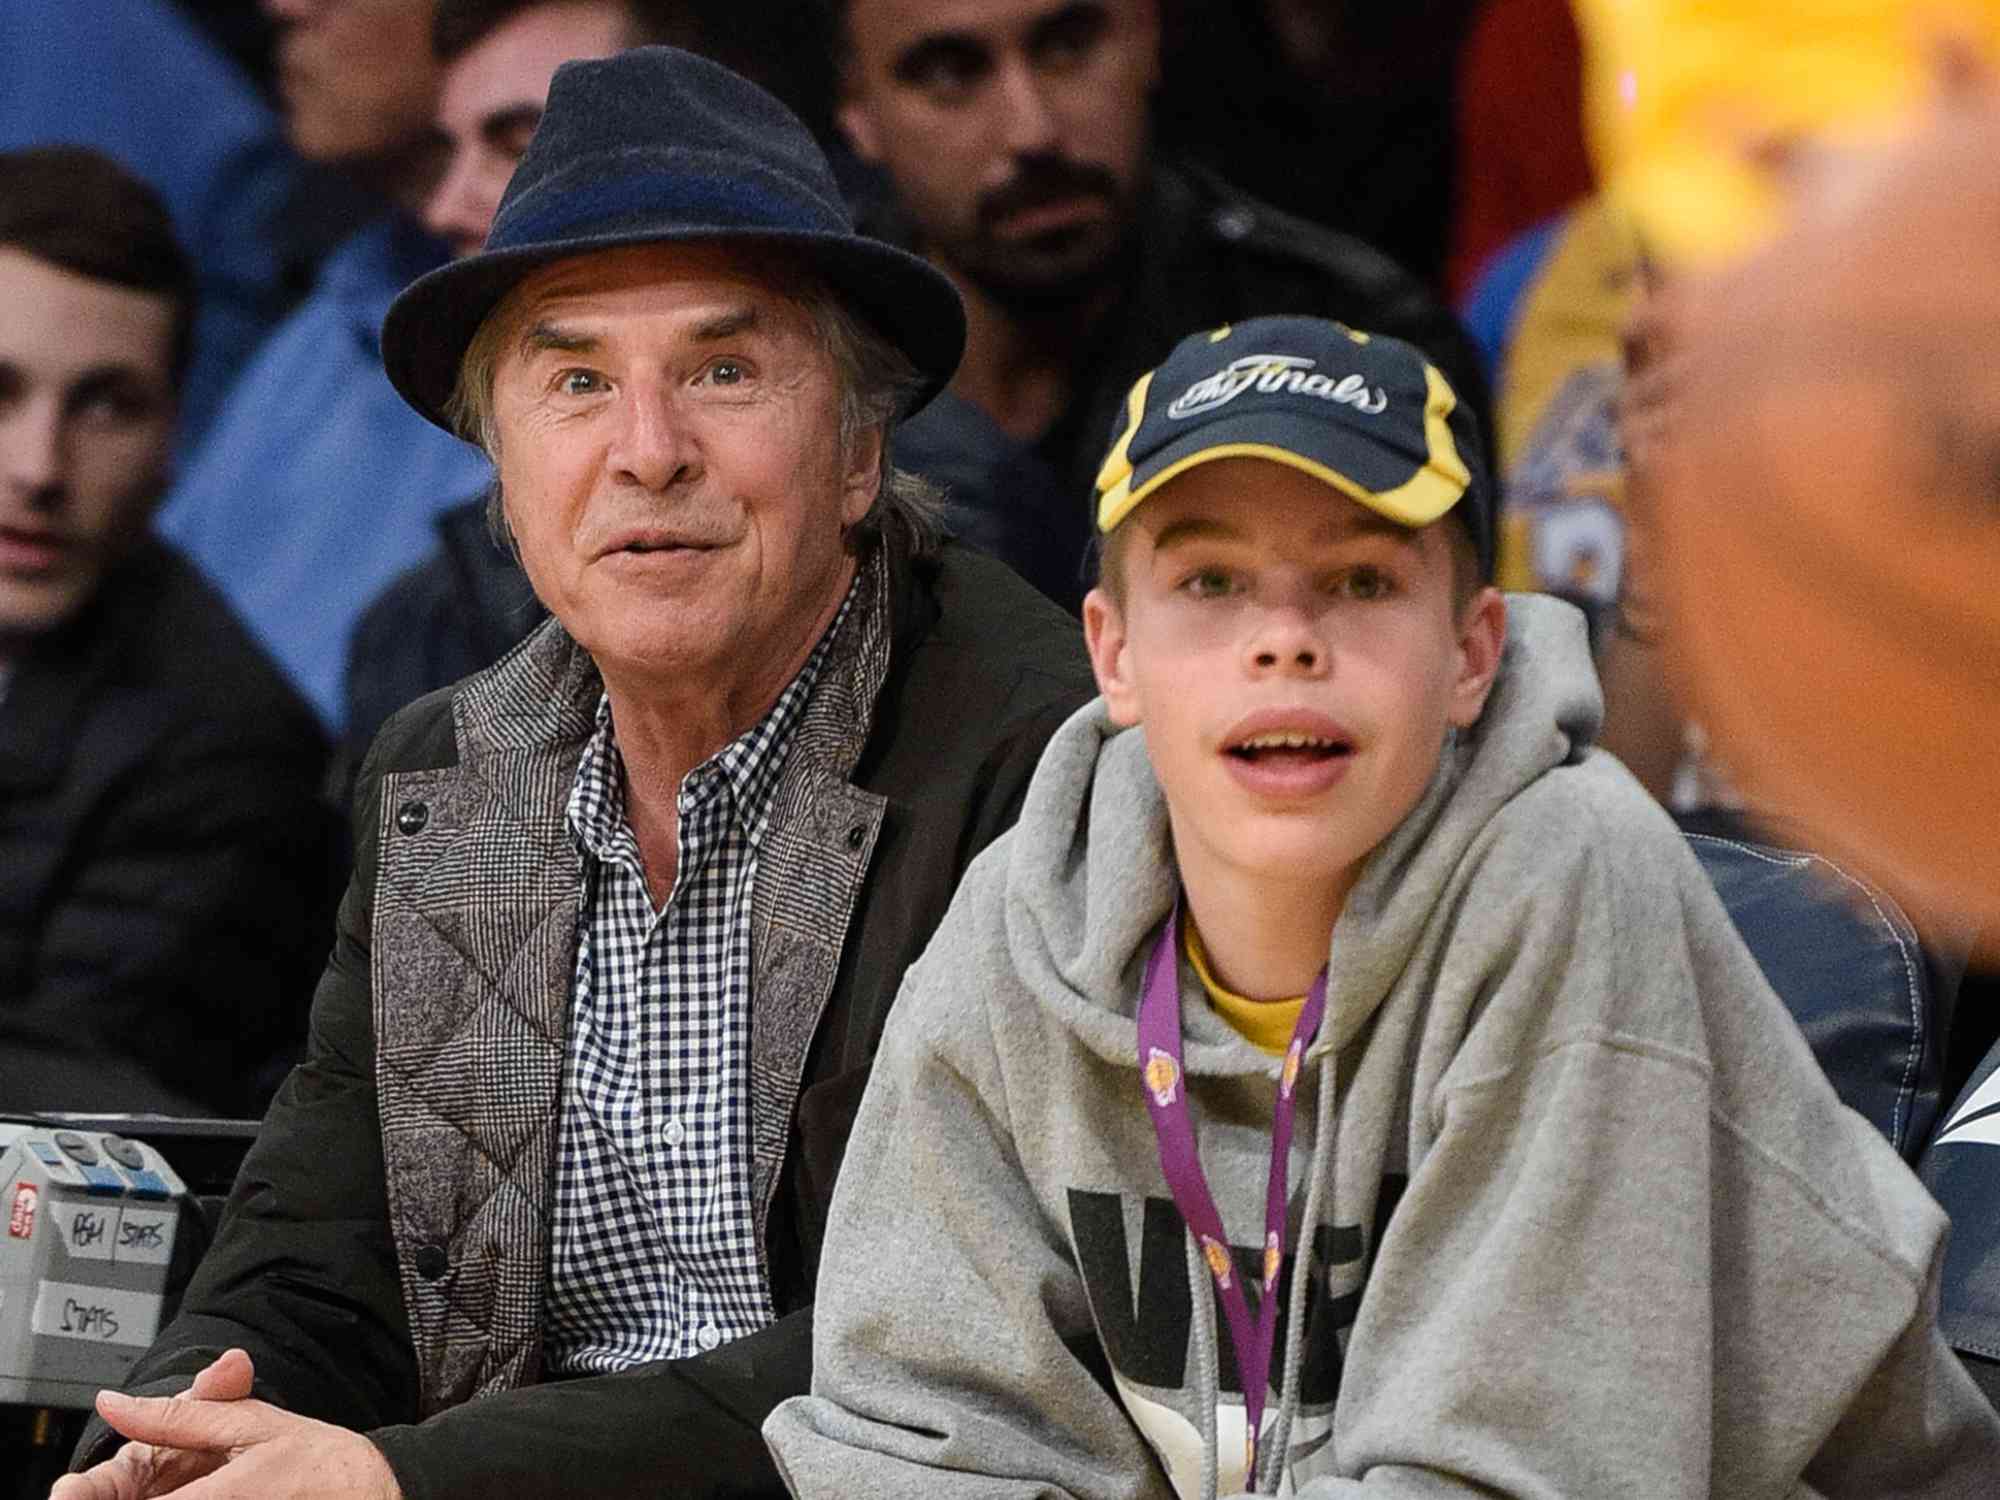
{"x":708,"y":1336}
{"x":672,"y":1134}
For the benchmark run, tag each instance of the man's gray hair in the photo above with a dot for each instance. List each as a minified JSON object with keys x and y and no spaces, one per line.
{"x":876,"y":380}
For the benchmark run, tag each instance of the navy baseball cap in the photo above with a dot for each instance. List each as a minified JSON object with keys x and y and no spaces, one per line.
{"x":1368,"y":415}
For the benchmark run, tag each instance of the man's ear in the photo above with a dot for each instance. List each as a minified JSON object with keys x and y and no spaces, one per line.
{"x":1104,"y":635}
{"x":862,"y":477}
{"x":1482,"y":636}
{"x":857,"y":122}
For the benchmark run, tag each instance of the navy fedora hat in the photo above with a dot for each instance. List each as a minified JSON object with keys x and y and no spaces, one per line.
{"x":655,"y":146}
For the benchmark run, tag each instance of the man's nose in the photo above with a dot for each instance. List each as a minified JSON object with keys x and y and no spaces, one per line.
{"x":31,"y":452}
{"x":651,"y":447}
{"x":1028,"y":124}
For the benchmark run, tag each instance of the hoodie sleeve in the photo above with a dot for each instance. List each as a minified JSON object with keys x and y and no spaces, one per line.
{"x":944,"y":1255}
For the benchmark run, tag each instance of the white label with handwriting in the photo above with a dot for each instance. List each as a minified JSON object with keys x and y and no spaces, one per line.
{"x":88,"y":1230}
{"x":145,"y":1237}
{"x":95,"y":1314}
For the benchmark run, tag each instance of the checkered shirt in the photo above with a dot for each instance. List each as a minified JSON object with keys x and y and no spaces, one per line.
{"x":654,"y":1246}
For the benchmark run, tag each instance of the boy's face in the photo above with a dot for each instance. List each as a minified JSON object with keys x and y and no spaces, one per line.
{"x":1296,"y":660}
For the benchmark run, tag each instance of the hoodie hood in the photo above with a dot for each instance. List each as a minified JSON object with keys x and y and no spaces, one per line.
{"x":1078,"y":929}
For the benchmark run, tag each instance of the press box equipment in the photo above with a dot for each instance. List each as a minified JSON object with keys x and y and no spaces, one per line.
{"x":90,"y":1221}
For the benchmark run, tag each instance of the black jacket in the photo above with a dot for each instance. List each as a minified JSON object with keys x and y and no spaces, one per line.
{"x":455,"y":613}
{"x":320,"y":1278}
{"x":165,"y":860}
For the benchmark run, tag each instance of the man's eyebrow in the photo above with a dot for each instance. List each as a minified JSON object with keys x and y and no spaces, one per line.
{"x":542,"y":336}
{"x":916,"y":63}
{"x":725,"y":325}
{"x":505,"y":124}
{"x":1081,"y":20}
{"x":99,"y":379}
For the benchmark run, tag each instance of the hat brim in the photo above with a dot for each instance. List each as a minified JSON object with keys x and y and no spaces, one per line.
{"x":902,"y":296}
{"x":1416,"y":502}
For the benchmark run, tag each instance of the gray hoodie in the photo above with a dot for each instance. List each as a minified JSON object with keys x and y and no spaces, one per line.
{"x":1586,"y":1220}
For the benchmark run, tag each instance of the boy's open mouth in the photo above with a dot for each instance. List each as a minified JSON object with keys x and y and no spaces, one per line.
{"x":1288,"y":747}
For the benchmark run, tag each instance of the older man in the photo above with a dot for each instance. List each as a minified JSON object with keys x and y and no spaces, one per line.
{"x":629,"y":908}
{"x":467,"y":604}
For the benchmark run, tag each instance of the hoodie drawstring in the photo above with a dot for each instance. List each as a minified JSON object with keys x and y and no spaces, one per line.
{"x":1207,"y":1363}
{"x":1273,"y":1465}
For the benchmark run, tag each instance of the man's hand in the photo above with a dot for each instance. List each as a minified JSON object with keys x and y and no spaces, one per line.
{"x":211,"y":1442}
{"x":138,"y":1469}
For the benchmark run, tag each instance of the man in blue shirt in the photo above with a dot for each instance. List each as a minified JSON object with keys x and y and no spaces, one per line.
{"x":316,"y":484}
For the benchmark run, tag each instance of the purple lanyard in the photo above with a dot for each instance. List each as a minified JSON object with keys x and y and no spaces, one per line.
{"x":1166,"y":1100}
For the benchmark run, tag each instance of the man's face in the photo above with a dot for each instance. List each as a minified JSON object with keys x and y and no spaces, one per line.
{"x":1015,"y":130}
{"x":1296,"y":660}
{"x":670,"y":461}
{"x":356,"y":76}
{"x":86,"y":416}
{"x":491,"y":100}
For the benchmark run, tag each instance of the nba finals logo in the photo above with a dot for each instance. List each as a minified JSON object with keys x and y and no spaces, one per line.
{"x":1272,"y":374}
{"x":1217,"y":1257}
{"x":1274,"y":1258}
{"x":1163,"y":1076}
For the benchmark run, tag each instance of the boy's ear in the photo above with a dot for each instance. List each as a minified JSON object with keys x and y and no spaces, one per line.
{"x":1104,"y":635}
{"x":1482,"y":636}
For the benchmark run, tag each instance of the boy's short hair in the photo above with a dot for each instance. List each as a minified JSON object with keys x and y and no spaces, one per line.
{"x":1367,"y":415}
{"x":80,"y":211}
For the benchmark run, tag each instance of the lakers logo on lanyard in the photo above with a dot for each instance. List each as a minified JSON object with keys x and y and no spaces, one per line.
{"x":1161,"y":1069}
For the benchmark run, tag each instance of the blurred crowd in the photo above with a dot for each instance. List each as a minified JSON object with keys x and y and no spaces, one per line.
{"x":1113,"y":174}
{"x":231,"y":551}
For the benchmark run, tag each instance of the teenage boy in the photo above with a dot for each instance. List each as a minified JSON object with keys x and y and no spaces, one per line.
{"x":1359,"y":959}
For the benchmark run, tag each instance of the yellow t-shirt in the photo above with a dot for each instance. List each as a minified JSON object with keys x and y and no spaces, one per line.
{"x":1265,"y":1024}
